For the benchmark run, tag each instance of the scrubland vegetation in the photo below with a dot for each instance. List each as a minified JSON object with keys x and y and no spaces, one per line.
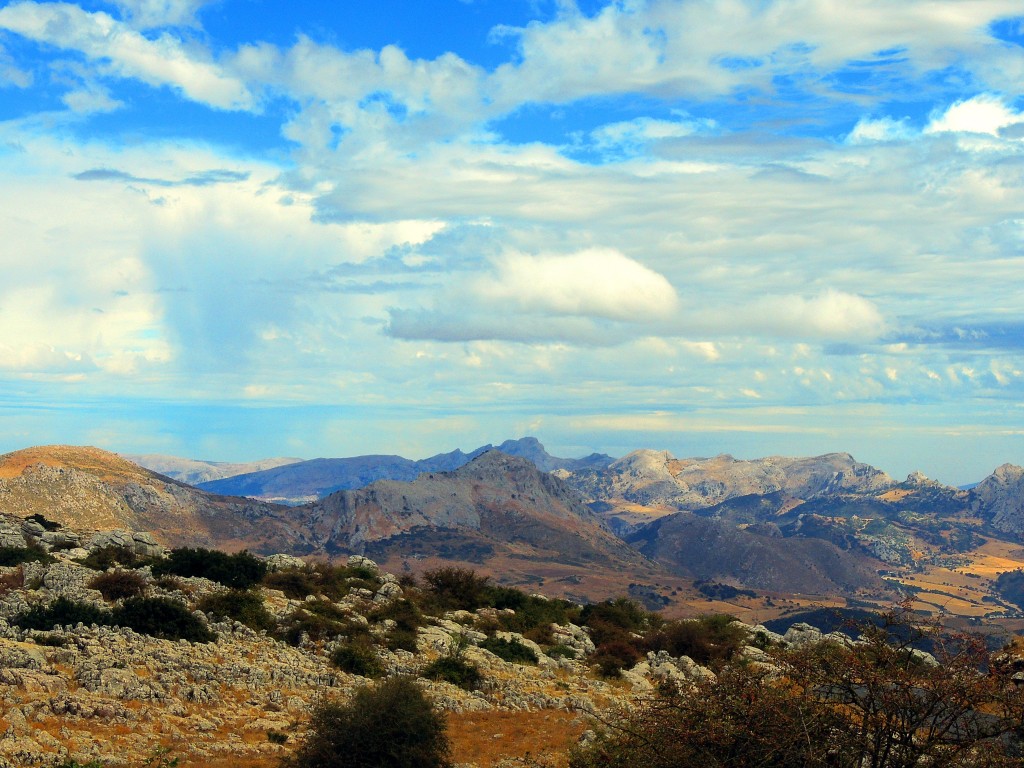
{"x":878,"y":701}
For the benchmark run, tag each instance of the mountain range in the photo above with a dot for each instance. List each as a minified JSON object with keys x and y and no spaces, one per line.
{"x":648,"y":524}
{"x":305,"y":481}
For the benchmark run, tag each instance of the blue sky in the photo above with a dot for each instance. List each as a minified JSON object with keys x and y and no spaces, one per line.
{"x":243,"y":228}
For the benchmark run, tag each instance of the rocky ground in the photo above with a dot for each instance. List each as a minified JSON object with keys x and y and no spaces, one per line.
{"x":111,"y":694}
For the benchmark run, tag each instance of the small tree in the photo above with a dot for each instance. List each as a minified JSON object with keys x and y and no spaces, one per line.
{"x":875,"y":703}
{"x":391,"y":725}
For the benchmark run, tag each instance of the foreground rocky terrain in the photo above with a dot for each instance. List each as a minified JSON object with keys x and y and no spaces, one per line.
{"x":82,"y":692}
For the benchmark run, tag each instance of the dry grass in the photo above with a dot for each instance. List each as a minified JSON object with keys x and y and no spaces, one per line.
{"x":485,"y":738}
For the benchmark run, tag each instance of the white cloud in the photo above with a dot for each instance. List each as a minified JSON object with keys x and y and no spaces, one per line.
{"x":985,"y":113}
{"x":831,"y":315}
{"x":597,"y":282}
{"x":869,"y":130}
{"x":161,"y":61}
{"x":149,"y":14}
{"x":91,"y":99}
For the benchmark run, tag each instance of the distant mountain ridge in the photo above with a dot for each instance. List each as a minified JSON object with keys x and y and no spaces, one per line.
{"x":196,"y":471}
{"x":307,"y":481}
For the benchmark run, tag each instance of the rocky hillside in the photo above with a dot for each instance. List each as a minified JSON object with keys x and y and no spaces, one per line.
{"x":308,"y":481}
{"x":122,"y":689}
{"x":999,"y":498}
{"x":498,"y":513}
{"x":658,"y":479}
{"x":85,"y":487}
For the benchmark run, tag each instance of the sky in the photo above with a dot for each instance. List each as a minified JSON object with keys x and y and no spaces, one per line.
{"x":232,"y":229}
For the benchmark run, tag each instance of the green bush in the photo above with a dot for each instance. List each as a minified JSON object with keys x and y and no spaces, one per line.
{"x":161,"y":617}
{"x":357,"y":657}
{"x":241,"y":605}
{"x":452,"y":589}
{"x":708,"y":640}
{"x":238,"y":571}
{"x":61,"y":612}
{"x":510,"y":650}
{"x":455,"y":671}
{"x":17,"y":555}
{"x":296,"y":583}
{"x":561,"y":651}
{"x":112,"y":556}
{"x":390,"y":725}
{"x":117,"y":585}
{"x":320,"y":620}
{"x":320,"y":579}
{"x":407,"y":618}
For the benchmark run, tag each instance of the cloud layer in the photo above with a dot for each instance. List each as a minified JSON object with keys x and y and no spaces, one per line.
{"x":726,"y":219}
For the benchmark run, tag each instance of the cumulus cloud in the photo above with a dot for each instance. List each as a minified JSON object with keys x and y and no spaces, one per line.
{"x":160,"y":61}
{"x":829,"y":315}
{"x":985,"y":113}
{"x":597,"y":282}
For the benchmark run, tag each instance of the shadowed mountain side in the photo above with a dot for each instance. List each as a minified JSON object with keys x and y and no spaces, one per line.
{"x":498,"y":511}
{"x":307,"y":481}
{"x":85,"y":487}
{"x":715,"y":550}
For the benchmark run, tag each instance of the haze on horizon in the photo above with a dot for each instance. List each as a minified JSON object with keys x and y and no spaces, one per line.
{"x":236,"y":229}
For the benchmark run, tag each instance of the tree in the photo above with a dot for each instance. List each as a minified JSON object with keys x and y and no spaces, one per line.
{"x":879,"y":702}
{"x":391,"y":725}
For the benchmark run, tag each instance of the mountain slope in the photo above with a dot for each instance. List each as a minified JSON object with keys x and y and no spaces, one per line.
{"x":86,"y":487}
{"x":658,"y":478}
{"x":498,"y":513}
{"x":759,"y":558}
{"x":999,"y":498}
{"x":314,"y":479}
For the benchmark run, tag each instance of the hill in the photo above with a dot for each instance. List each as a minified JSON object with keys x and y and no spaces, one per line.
{"x":498,"y":513}
{"x":87,"y":487}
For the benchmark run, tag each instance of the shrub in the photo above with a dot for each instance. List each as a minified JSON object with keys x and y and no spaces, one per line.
{"x":828,"y":704}
{"x":320,"y":620}
{"x":111,"y":556}
{"x":117,"y":585}
{"x":510,"y":650}
{"x":452,"y":589}
{"x":60,"y":613}
{"x":620,"y":614}
{"x":407,"y":618}
{"x":296,"y":583}
{"x":12,"y":580}
{"x":277,"y":737}
{"x":320,"y":579}
{"x":613,"y":656}
{"x":238,"y":571}
{"x":708,"y":640}
{"x":161,"y":617}
{"x":454,"y":670}
{"x":245,"y":606}
{"x":390,"y":725}
{"x":17,"y":555}
{"x":357,"y":657}
{"x":561,"y":651}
